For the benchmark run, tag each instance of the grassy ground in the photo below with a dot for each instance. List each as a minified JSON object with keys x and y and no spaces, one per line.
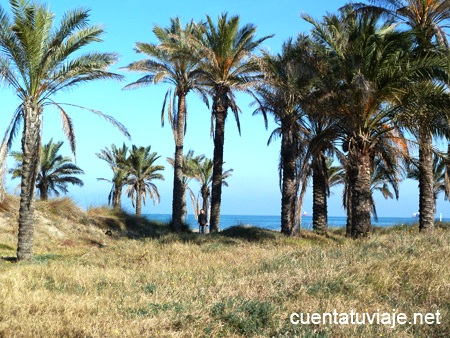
{"x":141,"y":281}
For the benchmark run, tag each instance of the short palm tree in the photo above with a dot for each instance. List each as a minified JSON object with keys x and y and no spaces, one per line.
{"x":142,"y":172}
{"x":170,"y":62}
{"x":116,"y":158}
{"x":188,"y":159}
{"x":201,"y":169}
{"x":384,"y":178}
{"x":38,"y":60}
{"x":322,"y":133}
{"x":227,"y":67}
{"x":55,"y":171}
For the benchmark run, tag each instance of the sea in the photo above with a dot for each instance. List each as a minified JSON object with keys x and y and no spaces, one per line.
{"x":273,"y":222}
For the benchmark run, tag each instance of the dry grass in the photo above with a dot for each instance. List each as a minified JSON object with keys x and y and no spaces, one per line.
{"x":145,"y":282}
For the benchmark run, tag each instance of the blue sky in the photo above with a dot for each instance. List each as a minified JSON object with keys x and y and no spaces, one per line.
{"x":254,"y":187}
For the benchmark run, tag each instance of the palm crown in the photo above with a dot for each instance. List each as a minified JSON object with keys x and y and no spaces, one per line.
{"x":116,"y":158}
{"x":142,"y":172}
{"x":55,"y":173}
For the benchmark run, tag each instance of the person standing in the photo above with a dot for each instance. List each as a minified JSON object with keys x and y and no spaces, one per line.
{"x":202,"y":221}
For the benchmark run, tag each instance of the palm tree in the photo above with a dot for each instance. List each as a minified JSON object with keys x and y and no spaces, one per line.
{"x":324,"y":176}
{"x":335,"y":173}
{"x":227,"y":66}
{"x":427,"y":20}
{"x":188,"y":159}
{"x":55,"y":172}
{"x":391,"y":152}
{"x":36,"y":62}
{"x":201,"y":169}
{"x":170,"y":62}
{"x":426,"y":115}
{"x":372,"y":62}
{"x":287,"y":81}
{"x":142,"y":171}
{"x":440,"y":175}
{"x":116,"y":158}
{"x":322,"y":132}
{"x":383,"y":178}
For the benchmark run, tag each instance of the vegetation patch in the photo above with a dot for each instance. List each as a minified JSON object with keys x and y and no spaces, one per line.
{"x":6,"y":247}
{"x":45,"y":258}
{"x":246,"y":317}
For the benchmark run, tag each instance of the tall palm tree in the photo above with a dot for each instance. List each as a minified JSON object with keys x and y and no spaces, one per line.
{"x":278,"y":95}
{"x":55,"y":171}
{"x":39,"y":59}
{"x":426,"y":115}
{"x":427,"y":19}
{"x":373,"y":61}
{"x":170,"y":62}
{"x":116,"y":158}
{"x":227,"y":66}
{"x":440,"y":175}
{"x":142,"y":173}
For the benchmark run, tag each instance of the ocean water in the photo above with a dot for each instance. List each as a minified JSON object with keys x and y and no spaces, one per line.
{"x":273,"y":222}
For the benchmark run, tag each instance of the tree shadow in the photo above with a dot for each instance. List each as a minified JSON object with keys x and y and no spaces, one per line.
{"x":119,"y":224}
{"x":250,"y":233}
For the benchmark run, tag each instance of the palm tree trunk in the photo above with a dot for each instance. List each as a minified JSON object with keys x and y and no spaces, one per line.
{"x":298,"y":215}
{"x":139,"y":202}
{"x":183,"y":203}
{"x":178,"y":189}
{"x":320,"y":217}
{"x":216,"y":194}
{"x":3,"y":170}
{"x":288,"y":188}
{"x":348,"y":197}
{"x":447,"y":174}
{"x":361,"y":207}
{"x":43,"y":192}
{"x":117,"y":198}
{"x":31,"y":139}
{"x":426,"y":182}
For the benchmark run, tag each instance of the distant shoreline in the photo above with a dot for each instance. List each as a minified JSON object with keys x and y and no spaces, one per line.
{"x":273,"y":222}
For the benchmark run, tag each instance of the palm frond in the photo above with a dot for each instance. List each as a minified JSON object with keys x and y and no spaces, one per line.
{"x":108,"y":118}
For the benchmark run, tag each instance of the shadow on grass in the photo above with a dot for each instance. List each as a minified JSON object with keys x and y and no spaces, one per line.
{"x":443,"y":225}
{"x":120,"y":224}
{"x":333,"y":235}
{"x":249,"y":233}
{"x":230,"y":236}
{"x":384,"y":230}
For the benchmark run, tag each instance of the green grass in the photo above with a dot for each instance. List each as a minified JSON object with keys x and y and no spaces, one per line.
{"x":143,"y":281}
